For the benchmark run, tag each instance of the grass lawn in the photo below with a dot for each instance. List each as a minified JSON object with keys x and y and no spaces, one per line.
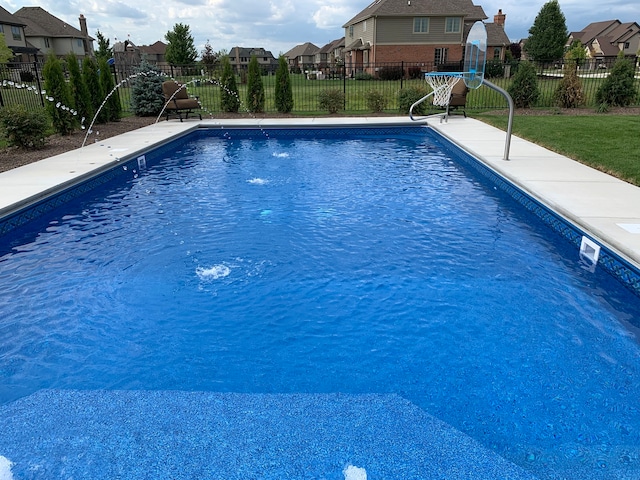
{"x":610,"y":143}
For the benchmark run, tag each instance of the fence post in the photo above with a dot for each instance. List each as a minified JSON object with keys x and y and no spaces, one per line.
{"x":344,"y":84}
{"x":35,"y":67}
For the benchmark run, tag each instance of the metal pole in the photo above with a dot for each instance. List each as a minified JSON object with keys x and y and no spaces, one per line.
{"x":507,"y":144}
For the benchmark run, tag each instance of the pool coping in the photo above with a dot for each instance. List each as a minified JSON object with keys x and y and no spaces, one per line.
{"x":605,"y":207}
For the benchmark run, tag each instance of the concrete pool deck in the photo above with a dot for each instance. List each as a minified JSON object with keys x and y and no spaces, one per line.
{"x":605,"y":207}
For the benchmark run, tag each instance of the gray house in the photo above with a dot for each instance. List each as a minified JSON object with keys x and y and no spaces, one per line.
{"x":240,"y":58}
{"x":302,"y":57}
{"x":13,"y":29}
{"x":49,"y":34}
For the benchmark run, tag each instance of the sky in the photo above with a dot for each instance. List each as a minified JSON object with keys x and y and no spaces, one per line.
{"x":280,"y":25}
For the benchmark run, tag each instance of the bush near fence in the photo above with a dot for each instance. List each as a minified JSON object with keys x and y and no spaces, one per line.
{"x":355,"y":81}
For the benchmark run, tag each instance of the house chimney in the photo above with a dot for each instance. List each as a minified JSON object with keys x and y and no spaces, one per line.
{"x":83,"y":25}
{"x":500,"y":18}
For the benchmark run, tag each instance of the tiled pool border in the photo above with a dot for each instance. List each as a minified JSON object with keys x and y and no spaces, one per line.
{"x":615,"y":265}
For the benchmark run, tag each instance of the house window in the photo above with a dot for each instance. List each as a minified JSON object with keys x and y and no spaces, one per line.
{"x":452,"y":25}
{"x":440,"y":56}
{"x":351,"y":31}
{"x":1,"y":29}
{"x":627,"y":45}
{"x":421,"y":25}
{"x":17,"y":35}
{"x":496,"y":53}
{"x":79,"y":42}
{"x":364,"y":26}
{"x":46,"y":42}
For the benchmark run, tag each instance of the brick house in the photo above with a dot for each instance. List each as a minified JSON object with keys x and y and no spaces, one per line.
{"x":302,"y":57}
{"x":240,"y":58}
{"x":420,"y":32}
{"x":13,"y":29}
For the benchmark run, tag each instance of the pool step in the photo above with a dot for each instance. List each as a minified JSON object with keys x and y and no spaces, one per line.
{"x":205,"y":435}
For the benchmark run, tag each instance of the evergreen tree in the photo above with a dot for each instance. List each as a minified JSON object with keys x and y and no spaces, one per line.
{"x":92,"y":81}
{"x":79,"y":90}
{"x":104,"y":50}
{"x":59,"y":95}
{"x":6,"y":53}
{"x":569,"y":92}
{"x":146,"y":94}
{"x":180,"y":47}
{"x":524,"y":87}
{"x":548,"y":34}
{"x":229,"y":100}
{"x":112,"y":108}
{"x":255,"y":88}
{"x":284,"y":92}
{"x":618,"y":90}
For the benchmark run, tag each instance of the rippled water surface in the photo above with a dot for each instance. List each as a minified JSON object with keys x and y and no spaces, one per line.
{"x":331,"y":265}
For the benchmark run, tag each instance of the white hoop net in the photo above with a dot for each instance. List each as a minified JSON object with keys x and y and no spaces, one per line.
{"x":442,"y":85}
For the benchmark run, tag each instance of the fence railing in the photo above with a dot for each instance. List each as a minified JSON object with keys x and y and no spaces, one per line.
{"x":22,"y":83}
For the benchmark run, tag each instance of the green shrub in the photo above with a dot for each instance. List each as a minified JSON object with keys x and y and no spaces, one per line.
{"x":376,"y":101}
{"x":363,"y":76}
{"x":284,"y":92}
{"x":524,"y":87}
{"x":146,"y":94}
{"x":112,"y":107}
{"x":618,"y":90}
{"x":92,"y":81}
{"x":331,"y":100}
{"x":59,"y":103}
{"x":494,"y":69}
{"x":408,"y":96}
{"x":229,"y":100}
{"x":255,"y":88}
{"x":22,"y":127}
{"x":79,"y":90}
{"x":569,"y":92}
{"x":415,"y":72}
{"x":27,"y":76}
{"x":390,"y":73}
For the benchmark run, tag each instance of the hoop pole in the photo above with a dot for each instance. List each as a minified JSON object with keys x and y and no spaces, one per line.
{"x":507,"y":143}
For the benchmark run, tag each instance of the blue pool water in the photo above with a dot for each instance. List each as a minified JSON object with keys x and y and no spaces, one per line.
{"x":330,"y":264}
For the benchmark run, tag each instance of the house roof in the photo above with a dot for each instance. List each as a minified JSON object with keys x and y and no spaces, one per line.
{"x":40,"y":23}
{"x":412,"y":8}
{"x":6,"y":18}
{"x":593,"y":30}
{"x":303,"y":50}
{"x":623,"y":32}
{"x":158,"y":48}
{"x":496,"y":35}
{"x":249,"y":52}
{"x":608,"y":49}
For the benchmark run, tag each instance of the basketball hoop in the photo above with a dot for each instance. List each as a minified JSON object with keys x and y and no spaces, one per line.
{"x":442,"y":84}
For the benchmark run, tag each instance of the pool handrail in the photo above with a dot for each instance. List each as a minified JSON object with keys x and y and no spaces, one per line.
{"x":507,"y":144}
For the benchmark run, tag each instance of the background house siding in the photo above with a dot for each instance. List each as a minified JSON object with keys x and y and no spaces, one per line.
{"x":400,"y":30}
{"x":416,"y":54}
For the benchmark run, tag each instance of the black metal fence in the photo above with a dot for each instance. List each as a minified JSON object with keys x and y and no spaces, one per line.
{"x":22,"y":83}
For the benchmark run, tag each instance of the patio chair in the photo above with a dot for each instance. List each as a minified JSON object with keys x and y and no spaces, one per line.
{"x":178,"y":99}
{"x":458,"y":97}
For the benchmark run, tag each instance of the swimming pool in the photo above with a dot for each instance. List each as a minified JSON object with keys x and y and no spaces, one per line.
{"x":320,"y":262}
